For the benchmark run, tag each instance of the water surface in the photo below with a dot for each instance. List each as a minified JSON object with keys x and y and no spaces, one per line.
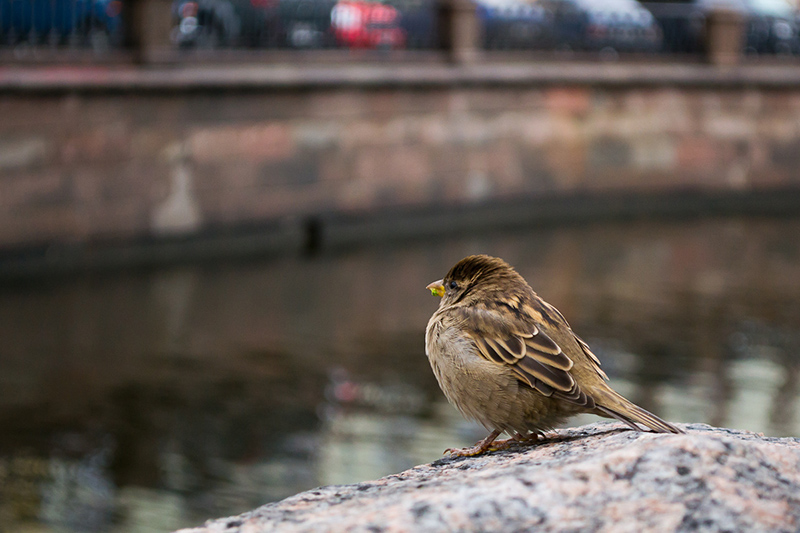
{"x":153,"y":400}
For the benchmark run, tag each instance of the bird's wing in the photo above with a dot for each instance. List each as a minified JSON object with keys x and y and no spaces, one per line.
{"x":529,"y":352}
{"x":554,"y":315}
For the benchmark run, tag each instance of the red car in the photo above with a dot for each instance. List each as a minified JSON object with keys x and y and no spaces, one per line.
{"x":359,"y":24}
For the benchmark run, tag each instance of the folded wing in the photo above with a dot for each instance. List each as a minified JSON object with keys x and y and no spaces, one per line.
{"x":529,"y":352}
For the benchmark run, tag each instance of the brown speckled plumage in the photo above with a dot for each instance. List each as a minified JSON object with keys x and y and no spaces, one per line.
{"x":508,"y":359}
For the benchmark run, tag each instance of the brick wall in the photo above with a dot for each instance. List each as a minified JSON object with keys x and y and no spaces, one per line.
{"x":78,"y":166}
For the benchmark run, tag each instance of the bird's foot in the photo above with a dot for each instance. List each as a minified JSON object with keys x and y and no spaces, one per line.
{"x":486,"y":445}
{"x":489,"y":444}
{"x":519,"y":438}
{"x":477,"y":449}
{"x":552,"y":436}
{"x":530,"y":438}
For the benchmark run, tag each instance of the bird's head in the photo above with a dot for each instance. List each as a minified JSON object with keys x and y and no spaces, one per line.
{"x":474,"y":277}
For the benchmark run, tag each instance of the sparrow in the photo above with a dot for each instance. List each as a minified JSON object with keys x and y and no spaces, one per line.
{"x":509,"y":360}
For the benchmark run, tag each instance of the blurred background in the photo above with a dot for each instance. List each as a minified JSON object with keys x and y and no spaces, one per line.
{"x":218,"y":218}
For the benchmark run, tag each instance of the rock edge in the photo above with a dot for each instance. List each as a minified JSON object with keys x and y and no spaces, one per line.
{"x":598,"y":477}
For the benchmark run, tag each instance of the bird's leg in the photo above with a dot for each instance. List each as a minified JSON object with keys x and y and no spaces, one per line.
{"x":485,"y":445}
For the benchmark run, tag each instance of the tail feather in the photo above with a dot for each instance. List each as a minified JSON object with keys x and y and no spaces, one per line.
{"x":613,"y":405}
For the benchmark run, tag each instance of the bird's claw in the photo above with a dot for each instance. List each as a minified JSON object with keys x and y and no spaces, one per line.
{"x":471,"y":451}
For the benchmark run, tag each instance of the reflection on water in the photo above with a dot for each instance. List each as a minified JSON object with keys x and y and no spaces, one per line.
{"x":155,"y":400}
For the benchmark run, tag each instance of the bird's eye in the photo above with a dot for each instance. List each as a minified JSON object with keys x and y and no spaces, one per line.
{"x":453,"y":285}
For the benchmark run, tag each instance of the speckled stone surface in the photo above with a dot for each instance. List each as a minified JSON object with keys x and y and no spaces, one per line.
{"x":597,"y":477}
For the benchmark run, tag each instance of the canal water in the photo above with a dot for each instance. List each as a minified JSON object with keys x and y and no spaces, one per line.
{"x":152,"y":400}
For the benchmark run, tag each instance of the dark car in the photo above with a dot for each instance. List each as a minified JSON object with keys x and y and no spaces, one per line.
{"x":604,"y":25}
{"x":253,"y":23}
{"x":770,"y":26}
{"x":419,"y":21}
{"x":514,"y":24}
{"x":682,"y":23}
{"x":307,"y":23}
{"x":223,"y":23}
{"x":81,"y":22}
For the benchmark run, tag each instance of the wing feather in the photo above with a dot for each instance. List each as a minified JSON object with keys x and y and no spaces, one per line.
{"x":554,"y":377}
{"x":499,"y":351}
{"x":540,"y":342}
{"x":486,"y":351}
{"x":547,"y":355}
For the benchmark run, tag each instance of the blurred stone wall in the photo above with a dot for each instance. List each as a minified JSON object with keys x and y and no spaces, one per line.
{"x":78,"y":166}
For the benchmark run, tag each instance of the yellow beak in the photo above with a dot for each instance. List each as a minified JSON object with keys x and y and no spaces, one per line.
{"x":436,"y":288}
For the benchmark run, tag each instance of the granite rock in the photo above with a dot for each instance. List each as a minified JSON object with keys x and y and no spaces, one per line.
{"x":598,"y":477}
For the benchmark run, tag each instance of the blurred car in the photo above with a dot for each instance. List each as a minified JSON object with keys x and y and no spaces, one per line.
{"x":195,"y":25}
{"x":514,"y":24}
{"x":253,"y":23}
{"x":307,"y":23}
{"x":222,"y":23}
{"x":419,"y":21}
{"x":93,"y":22}
{"x":362,"y":24}
{"x":770,"y":26}
{"x":682,"y":22}
{"x":598,"y":25}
